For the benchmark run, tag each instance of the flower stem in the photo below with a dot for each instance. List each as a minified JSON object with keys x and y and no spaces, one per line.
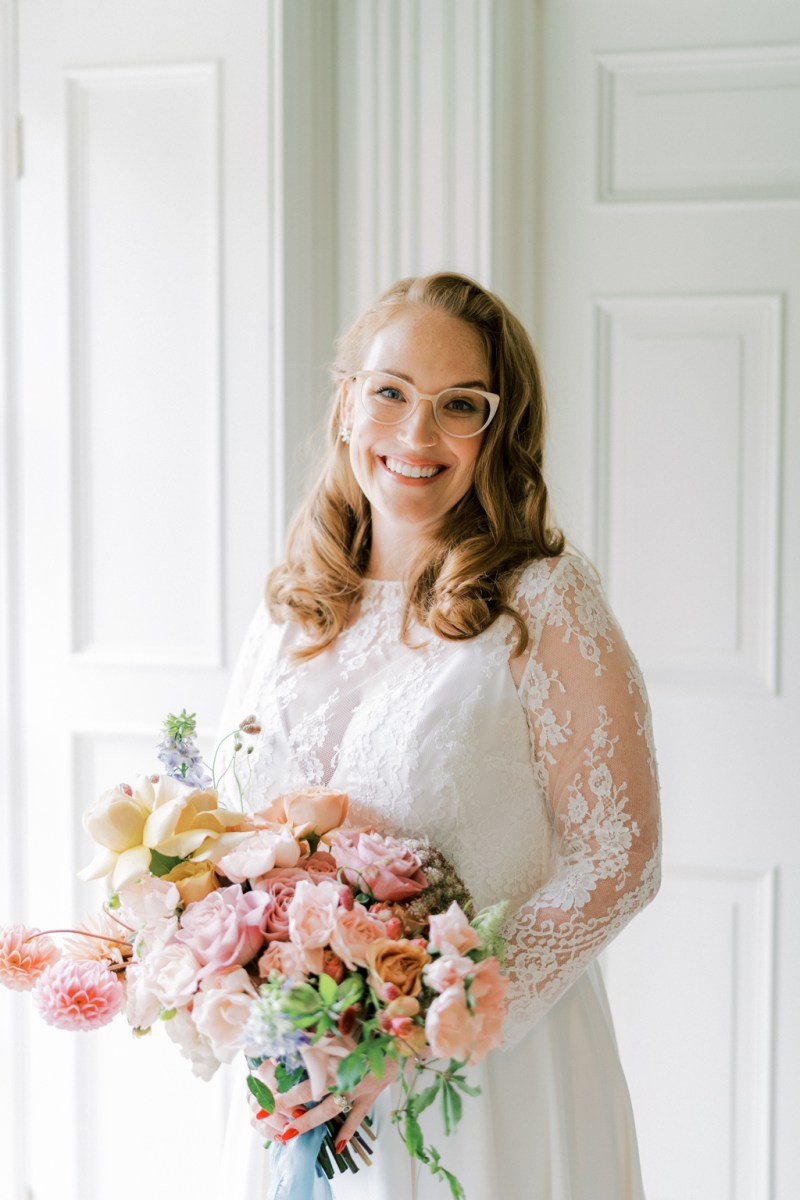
{"x":101,"y":937}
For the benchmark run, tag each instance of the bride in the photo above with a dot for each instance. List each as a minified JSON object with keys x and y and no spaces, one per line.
{"x":429,"y":646}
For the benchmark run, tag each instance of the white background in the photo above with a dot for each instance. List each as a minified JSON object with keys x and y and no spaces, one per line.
{"x":208,"y":193}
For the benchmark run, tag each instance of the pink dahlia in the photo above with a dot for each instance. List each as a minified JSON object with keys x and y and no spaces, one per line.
{"x":78,"y":995}
{"x":24,"y":955}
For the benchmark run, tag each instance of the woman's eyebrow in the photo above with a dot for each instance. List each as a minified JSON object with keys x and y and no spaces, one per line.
{"x":473,"y":383}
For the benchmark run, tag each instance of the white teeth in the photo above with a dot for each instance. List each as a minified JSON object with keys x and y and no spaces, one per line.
{"x":401,"y":468}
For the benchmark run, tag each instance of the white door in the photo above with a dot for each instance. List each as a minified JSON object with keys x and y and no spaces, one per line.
{"x":145,"y":497}
{"x":669,"y":308}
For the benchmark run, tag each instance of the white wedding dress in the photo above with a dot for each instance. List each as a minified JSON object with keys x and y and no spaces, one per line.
{"x":540,"y":785}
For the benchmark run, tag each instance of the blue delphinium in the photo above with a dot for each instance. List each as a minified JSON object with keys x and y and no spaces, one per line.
{"x":179,"y":753}
{"x":269,"y":1031}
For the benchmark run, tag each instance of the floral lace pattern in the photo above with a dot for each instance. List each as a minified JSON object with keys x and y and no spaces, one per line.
{"x":535,"y":775}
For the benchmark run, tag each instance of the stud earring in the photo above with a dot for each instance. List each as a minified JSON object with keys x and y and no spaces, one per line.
{"x":344,"y":436}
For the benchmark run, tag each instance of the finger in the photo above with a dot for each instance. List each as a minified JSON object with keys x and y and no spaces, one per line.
{"x":353,"y":1120}
{"x":326,"y":1110}
{"x":299,"y":1094}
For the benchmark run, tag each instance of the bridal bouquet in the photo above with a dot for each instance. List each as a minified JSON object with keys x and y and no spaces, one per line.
{"x":321,"y":952}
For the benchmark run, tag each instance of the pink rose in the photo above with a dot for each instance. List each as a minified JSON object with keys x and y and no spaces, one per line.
{"x":451,"y":932}
{"x":142,"y":1005}
{"x":183,"y":1031}
{"x":321,"y":865}
{"x":148,"y":900}
{"x":488,"y":991}
{"x":172,"y":972}
{"x":221,"y":1009}
{"x":258,"y":852}
{"x":353,"y":932}
{"x":225,"y":929}
{"x":312,"y":920}
{"x":447,"y":971}
{"x":279,"y":885}
{"x":383,"y":866}
{"x":449,"y":1026}
{"x":285,"y":958}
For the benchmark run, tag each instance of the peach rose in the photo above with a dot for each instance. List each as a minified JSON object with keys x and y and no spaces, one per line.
{"x":446,"y":971}
{"x":285,"y":958}
{"x":451,"y":932}
{"x":312,"y":920}
{"x":312,"y":810}
{"x":398,"y":963}
{"x":353,"y":933}
{"x":449,"y":1025}
{"x":488,"y":992}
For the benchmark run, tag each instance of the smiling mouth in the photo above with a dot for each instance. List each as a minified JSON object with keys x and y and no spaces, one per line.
{"x":409,"y":470}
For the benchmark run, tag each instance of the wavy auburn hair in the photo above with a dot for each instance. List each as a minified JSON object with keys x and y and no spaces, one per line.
{"x":460,"y":581}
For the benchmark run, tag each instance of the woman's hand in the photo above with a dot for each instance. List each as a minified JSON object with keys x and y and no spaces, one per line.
{"x":291,"y":1117}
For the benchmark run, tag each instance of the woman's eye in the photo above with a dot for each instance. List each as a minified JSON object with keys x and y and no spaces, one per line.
{"x":461,"y":404}
{"x":390,"y":393}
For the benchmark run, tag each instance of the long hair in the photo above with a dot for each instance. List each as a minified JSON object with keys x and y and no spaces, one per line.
{"x":460,"y":580}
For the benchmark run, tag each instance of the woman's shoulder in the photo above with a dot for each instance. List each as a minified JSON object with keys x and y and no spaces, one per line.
{"x":545,"y":583}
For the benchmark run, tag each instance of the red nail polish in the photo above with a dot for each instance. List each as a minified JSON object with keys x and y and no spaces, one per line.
{"x":298,"y":1112}
{"x":341,"y":1145}
{"x":262,"y":1112}
{"x":288,"y":1133}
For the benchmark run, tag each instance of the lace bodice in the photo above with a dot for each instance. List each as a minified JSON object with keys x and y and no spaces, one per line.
{"x":536,"y":775}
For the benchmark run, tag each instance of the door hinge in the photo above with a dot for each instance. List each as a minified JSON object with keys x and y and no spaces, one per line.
{"x":20,"y":149}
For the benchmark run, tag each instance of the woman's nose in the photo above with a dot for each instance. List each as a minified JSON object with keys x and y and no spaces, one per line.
{"x":420,"y":429}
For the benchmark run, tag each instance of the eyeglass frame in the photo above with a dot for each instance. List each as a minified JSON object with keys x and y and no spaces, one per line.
{"x":492,"y":398}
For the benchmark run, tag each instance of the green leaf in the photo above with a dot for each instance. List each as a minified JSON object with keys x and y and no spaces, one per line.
{"x":456,"y":1190}
{"x":376,"y":1058}
{"x":349,"y":991}
{"x":455,"y":1104}
{"x":313,"y":840}
{"x":288,"y":1079}
{"x":414,"y":1141}
{"x":327,"y":989}
{"x":301,"y":1000}
{"x":425,"y":1099}
{"x":352,"y":1070}
{"x":262,"y":1093}
{"x":470,"y":1089}
{"x":162,"y":864}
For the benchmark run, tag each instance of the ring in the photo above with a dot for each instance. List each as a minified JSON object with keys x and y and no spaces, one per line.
{"x":343,"y":1101}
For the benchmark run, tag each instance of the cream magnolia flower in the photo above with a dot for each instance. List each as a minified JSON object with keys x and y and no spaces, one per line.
{"x":167,"y":815}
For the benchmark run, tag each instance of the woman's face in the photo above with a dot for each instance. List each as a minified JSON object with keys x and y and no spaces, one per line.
{"x":433,"y":351}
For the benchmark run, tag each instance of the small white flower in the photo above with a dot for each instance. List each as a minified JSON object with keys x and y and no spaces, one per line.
{"x":600,"y":781}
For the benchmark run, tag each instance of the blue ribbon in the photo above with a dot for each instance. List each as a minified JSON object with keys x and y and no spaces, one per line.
{"x":296,"y":1174}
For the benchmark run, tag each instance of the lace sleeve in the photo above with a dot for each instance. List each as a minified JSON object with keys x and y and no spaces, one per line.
{"x":592,"y":751}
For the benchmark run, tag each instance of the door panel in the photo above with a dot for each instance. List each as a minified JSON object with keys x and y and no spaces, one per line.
{"x":669,"y":333}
